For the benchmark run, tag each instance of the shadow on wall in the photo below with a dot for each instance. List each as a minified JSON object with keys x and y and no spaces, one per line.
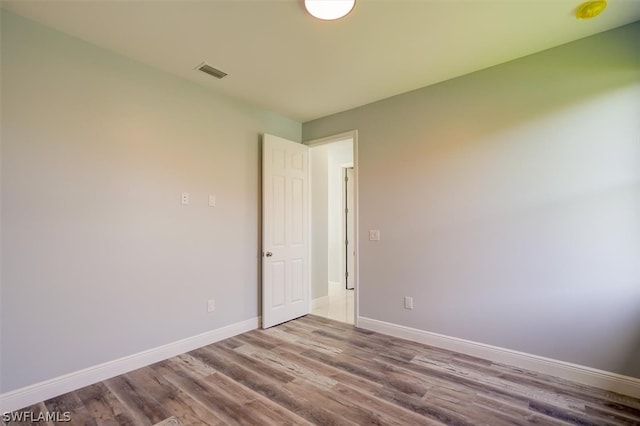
{"x":259,"y":224}
{"x":632,"y":366}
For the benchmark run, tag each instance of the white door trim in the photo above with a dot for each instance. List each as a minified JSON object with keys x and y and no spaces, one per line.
{"x":353,"y":135}
{"x":348,"y":234}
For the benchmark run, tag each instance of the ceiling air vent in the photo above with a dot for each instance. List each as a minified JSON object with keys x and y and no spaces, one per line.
{"x":211,"y":71}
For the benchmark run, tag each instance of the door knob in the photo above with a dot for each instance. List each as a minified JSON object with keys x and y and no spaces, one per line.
{"x":268,"y":254}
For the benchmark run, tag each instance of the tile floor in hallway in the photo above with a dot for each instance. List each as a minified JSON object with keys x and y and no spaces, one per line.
{"x":338,"y":305}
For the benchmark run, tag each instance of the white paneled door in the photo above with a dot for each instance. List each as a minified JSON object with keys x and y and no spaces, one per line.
{"x":285,"y":230}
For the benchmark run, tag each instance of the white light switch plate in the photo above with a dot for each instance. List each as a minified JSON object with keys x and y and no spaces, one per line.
{"x":408,"y":302}
{"x":374,"y":235}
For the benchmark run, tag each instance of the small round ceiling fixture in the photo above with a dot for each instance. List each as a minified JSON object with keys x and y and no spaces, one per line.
{"x":590,"y":9}
{"x":328,"y":10}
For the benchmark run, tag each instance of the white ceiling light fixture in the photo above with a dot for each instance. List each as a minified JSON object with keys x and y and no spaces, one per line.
{"x":328,"y":10}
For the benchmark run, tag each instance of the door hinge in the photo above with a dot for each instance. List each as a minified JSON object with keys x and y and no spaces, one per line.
{"x":346,"y":274}
{"x":346,"y":178}
{"x":346,"y":210}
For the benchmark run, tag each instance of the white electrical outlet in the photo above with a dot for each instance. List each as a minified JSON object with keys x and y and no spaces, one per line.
{"x":212,"y":200}
{"x":408,"y":302}
{"x":184,"y":198}
{"x":211,"y":305}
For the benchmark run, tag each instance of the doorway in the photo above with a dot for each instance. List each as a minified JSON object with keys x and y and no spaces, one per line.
{"x":334,"y":227}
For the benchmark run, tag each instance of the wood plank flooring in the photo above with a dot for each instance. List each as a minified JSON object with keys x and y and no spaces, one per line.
{"x":317,"y":371}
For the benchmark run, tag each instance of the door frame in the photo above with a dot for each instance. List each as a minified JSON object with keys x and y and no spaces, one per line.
{"x":345,"y":225}
{"x":353,"y":134}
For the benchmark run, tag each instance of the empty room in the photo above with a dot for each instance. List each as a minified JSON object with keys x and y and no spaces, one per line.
{"x":257,"y":212}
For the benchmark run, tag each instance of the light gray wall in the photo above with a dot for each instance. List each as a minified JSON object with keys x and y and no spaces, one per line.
{"x":509,"y":203}
{"x":100,"y":259}
{"x":319,"y":157}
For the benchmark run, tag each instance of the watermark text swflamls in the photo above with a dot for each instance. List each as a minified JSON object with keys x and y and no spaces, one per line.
{"x":31,"y":417}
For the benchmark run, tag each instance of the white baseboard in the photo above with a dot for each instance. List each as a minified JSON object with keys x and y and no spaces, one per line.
{"x":42,"y":391}
{"x":577,"y":373}
{"x":319,"y":302}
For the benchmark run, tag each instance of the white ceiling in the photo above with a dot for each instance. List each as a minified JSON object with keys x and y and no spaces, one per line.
{"x":280,"y":58}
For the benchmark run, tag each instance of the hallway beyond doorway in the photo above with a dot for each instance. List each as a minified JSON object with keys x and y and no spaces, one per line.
{"x":334,"y":227}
